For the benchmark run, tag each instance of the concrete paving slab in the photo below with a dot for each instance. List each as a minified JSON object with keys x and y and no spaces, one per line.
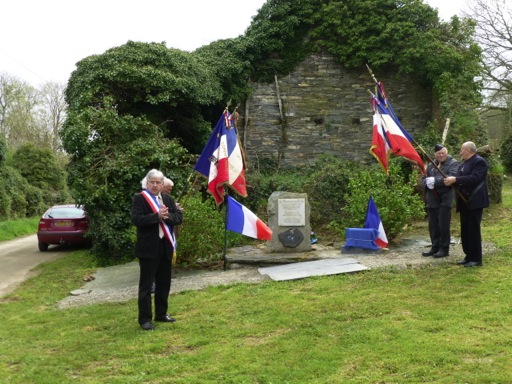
{"x":312,"y":268}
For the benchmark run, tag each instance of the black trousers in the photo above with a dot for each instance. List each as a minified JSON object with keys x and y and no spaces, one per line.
{"x":439,"y":220}
{"x":159,"y":271}
{"x":470,"y":233}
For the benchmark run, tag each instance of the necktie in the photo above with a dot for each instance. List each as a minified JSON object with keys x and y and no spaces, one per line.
{"x":160,"y":230}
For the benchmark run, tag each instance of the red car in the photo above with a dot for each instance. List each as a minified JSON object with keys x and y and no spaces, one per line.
{"x":63,"y":224}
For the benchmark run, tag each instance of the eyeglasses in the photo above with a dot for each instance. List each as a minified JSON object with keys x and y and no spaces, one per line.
{"x":155,"y":182}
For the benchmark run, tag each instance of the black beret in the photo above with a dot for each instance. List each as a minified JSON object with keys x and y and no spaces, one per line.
{"x":438,"y":147}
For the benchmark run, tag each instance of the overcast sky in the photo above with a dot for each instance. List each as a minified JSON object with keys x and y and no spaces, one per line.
{"x":42,"y":40}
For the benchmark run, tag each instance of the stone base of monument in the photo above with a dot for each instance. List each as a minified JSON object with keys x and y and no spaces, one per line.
{"x":261,"y":257}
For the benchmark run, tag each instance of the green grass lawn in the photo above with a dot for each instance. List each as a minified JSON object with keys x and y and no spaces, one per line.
{"x":12,"y":229}
{"x":438,"y":324}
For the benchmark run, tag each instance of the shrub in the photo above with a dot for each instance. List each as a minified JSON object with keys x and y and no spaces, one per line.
{"x":506,"y":153}
{"x":13,"y":188}
{"x":261,"y":185}
{"x":35,"y":201}
{"x":338,"y":193}
{"x":41,"y":168}
{"x":394,"y":197}
{"x":327,"y":186}
{"x":202,"y":235}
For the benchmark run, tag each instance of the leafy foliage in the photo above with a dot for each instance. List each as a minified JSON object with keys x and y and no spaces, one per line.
{"x":326,"y":184}
{"x":506,"y":153}
{"x":409,"y":36}
{"x":394,"y":196}
{"x":28,"y":114}
{"x":374,"y":32}
{"x":229,"y":67}
{"x":3,"y":151}
{"x":406,"y":35}
{"x":41,"y":168}
{"x":31,"y":180}
{"x":338,"y":192}
{"x":278,"y":37}
{"x":13,"y":203}
{"x":165,"y":86}
{"x":111,"y":155}
{"x":201,"y":236}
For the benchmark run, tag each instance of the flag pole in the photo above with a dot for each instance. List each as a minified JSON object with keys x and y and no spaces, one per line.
{"x":431,"y":161}
{"x":225,"y":261}
{"x":186,"y":185}
{"x":190,"y":190}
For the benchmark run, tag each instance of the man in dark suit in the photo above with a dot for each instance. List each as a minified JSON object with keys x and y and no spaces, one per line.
{"x":439,"y":201}
{"x":471,"y":180}
{"x":154,"y":214}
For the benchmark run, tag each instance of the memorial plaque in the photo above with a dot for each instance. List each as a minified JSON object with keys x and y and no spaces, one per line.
{"x":291,"y":212}
{"x":291,"y":238}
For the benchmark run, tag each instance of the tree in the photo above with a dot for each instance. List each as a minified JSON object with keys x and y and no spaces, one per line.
{"x":165,"y":86}
{"x":41,"y":168}
{"x":279,"y":36}
{"x":229,"y":67}
{"x":494,"y":34}
{"x":110,"y":154}
{"x":52,"y":112}
{"x":31,"y":115}
{"x":3,"y":151}
{"x":17,"y":103}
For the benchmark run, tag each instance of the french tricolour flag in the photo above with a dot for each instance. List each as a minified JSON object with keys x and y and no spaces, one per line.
{"x":380,"y":147}
{"x":397,"y":137}
{"x":373,"y":221}
{"x":235,"y":161}
{"x":242,"y":220}
{"x":222,"y":161}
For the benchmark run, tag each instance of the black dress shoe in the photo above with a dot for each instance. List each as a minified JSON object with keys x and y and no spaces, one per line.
{"x":147,"y":326}
{"x":472,"y":264}
{"x":429,"y":253}
{"x":462,"y":262}
{"x":441,"y":253}
{"x":166,"y":319}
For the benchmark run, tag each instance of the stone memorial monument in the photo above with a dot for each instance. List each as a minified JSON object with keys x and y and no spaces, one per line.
{"x":288,"y":217}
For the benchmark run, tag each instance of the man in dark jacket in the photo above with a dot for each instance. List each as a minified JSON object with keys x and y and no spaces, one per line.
{"x":154,"y":214}
{"x":439,"y":201}
{"x":471,"y":179}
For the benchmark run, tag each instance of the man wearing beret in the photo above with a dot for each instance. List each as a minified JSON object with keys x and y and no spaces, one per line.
{"x":471,"y":179}
{"x":439,"y":199}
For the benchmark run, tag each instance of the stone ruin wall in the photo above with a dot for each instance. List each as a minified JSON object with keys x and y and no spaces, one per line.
{"x":327,"y":111}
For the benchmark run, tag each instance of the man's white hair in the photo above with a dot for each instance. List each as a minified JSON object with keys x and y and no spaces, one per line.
{"x":152,"y":173}
{"x":168,"y":181}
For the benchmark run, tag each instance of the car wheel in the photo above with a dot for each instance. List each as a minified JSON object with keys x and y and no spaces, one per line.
{"x":43,"y":247}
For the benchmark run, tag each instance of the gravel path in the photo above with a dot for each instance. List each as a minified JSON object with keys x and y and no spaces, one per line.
{"x":405,"y":255}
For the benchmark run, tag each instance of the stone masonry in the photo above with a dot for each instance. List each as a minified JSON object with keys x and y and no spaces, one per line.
{"x":326,"y":110}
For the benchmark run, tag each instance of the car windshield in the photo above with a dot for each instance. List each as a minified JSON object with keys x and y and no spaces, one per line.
{"x":65,"y":213}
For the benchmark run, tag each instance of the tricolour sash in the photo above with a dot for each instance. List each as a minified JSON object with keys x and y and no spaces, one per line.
{"x":155,"y":206}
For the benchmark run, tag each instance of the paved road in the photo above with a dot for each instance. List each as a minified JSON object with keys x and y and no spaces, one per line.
{"x":18,"y":258}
